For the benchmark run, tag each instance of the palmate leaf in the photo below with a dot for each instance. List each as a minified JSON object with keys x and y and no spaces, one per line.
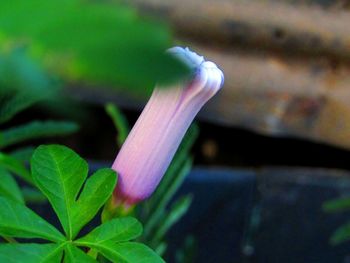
{"x":98,"y":188}
{"x":34,"y":130}
{"x":31,"y":253}
{"x":116,"y":230}
{"x":76,"y":255}
{"x":59,"y":173}
{"x":16,"y":220}
{"x":9,"y":187}
{"x":98,"y":42}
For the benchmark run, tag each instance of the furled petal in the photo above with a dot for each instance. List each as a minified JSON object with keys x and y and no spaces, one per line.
{"x":153,"y":141}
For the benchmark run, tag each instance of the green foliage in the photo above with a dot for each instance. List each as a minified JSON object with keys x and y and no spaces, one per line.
{"x":176,"y":211}
{"x":35,"y":130}
{"x":91,"y":41}
{"x":22,"y":83}
{"x":116,"y":230}
{"x":76,"y":255}
{"x":16,"y":220}
{"x":60,"y":174}
{"x":337,"y":205}
{"x":342,"y":234}
{"x":155,"y":213}
{"x":16,"y":167}
{"x":31,"y":253}
{"x":187,"y":253}
{"x":127,"y":252}
{"x":119,"y":121}
{"x":9,"y":187}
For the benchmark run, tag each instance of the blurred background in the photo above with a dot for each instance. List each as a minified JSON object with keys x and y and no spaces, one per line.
{"x":271,"y":170}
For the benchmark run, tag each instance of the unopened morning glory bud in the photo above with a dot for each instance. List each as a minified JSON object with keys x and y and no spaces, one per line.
{"x":153,"y":141}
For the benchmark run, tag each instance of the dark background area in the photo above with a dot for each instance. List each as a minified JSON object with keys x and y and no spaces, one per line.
{"x":216,"y":145}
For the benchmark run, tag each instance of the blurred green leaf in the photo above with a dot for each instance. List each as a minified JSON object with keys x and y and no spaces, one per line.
{"x":341,"y":234}
{"x":161,"y":248}
{"x":16,"y":220}
{"x":337,"y":205}
{"x":173,"y":215}
{"x":22,"y":83}
{"x":32,"y":195}
{"x":187,"y":252}
{"x":9,"y":187}
{"x":23,"y":154}
{"x":91,"y":41}
{"x":116,"y":230}
{"x":159,"y":212}
{"x":35,"y":130}
{"x":16,"y":167}
{"x":30,"y":253}
{"x":119,"y":121}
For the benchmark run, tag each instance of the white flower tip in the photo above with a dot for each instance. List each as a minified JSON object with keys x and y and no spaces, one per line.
{"x":198,"y":63}
{"x":192,"y":59}
{"x":216,"y":75}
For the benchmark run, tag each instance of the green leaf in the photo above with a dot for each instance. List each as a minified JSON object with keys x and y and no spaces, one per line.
{"x":22,"y":83}
{"x":30,"y":253}
{"x":9,"y":187}
{"x":76,"y":255}
{"x":116,"y":230}
{"x":161,"y":248}
{"x":98,"y":188}
{"x":159,"y":211}
{"x":178,"y":209}
{"x":172,"y":174}
{"x":16,"y":220}
{"x":16,"y":167}
{"x":23,"y":154}
{"x":59,"y":173}
{"x":35,"y":130}
{"x":337,"y":205}
{"x":187,"y":252}
{"x":32,"y":195}
{"x":341,"y":234}
{"x":127,"y":252}
{"x":92,"y":41}
{"x":119,"y":121}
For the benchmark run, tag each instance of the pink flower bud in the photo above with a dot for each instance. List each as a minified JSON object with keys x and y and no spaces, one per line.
{"x":153,"y":141}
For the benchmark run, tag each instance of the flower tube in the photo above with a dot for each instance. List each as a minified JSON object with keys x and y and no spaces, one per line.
{"x":154,"y":139}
